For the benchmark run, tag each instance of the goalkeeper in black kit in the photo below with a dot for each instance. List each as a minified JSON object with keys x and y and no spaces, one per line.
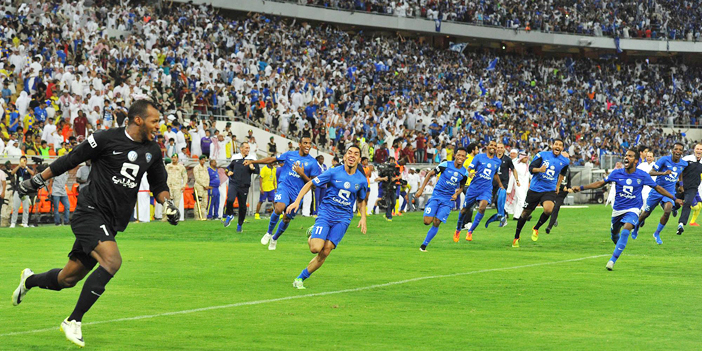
{"x":120,"y":157}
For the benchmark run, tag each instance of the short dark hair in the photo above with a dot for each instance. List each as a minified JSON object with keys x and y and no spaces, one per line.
{"x":679,"y":143}
{"x":352,"y":146}
{"x":637,"y":153}
{"x":558,"y":139}
{"x":139,"y":108}
{"x":471,"y":147}
{"x":460,"y":148}
{"x":364,"y":159}
{"x":23,"y":157}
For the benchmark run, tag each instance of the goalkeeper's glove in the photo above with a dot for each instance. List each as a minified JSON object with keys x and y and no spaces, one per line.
{"x":31,"y":186}
{"x":172,"y":212}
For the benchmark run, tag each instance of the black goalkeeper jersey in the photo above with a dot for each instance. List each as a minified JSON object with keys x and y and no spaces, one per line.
{"x":118,"y":165}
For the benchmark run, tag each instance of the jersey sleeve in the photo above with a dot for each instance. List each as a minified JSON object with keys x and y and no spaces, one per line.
{"x":535,"y":163}
{"x":441,"y":167}
{"x":474,"y":164}
{"x":648,"y":180}
{"x":510,"y":164}
{"x":657,"y":166}
{"x":282,"y":157}
{"x":87,"y":150}
{"x":323,"y":178}
{"x":157,"y":176}
{"x":362,"y":192}
{"x":315,"y":170}
{"x":564,"y":171}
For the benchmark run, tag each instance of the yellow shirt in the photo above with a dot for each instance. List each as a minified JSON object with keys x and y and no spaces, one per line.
{"x":449,"y":154}
{"x":469,"y":159}
{"x":268,"y":180}
{"x":62,"y":152}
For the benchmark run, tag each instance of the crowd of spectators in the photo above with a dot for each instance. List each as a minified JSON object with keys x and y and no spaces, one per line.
{"x":63,"y":78}
{"x":652,"y":19}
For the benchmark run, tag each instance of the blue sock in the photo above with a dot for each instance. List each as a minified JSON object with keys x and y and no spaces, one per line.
{"x":281,"y":230}
{"x":461,"y":218}
{"x":659,"y":229}
{"x":274,"y":220}
{"x":430,"y":235}
{"x":304,"y":274}
{"x":621,"y":244}
{"x":476,"y":221}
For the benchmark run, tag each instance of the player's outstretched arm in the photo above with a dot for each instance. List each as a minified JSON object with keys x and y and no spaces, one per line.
{"x":263,"y":160}
{"x":499,"y":181}
{"x":595,"y":185}
{"x":654,"y":173}
{"x":295,"y":205}
{"x":419,"y":192}
{"x":661,"y":190}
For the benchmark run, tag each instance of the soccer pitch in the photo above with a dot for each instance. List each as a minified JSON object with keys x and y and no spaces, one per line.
{"x":199,"y":286}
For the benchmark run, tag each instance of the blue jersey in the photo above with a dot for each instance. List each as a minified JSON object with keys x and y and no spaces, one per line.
{"x":628,"y":189}
{"x":485,"y":169}
{"x":555,"y":166}
{"x":666,"y":163}
{"x":451,"y":178}
{"x":342,"y":191}
{"x":289,"y":179}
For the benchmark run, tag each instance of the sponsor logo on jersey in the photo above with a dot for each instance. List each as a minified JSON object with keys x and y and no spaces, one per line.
{"x":124,"y":182}
{"x":628,"y":182}
{"x":132,"y":156}
{"x":347,"y":185}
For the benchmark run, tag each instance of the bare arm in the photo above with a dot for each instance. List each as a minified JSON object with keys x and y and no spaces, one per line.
{"x":424,"y":183}
{"x":294,"y":206}
{"x":558,"y":185}
{"x":595,"y":185}
{"x":499,"y":182}
{"x":263,"y":160}
{"x":656,"y":173}
{"x":162,"y":197}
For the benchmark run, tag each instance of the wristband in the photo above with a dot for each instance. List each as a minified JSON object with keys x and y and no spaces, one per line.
{"x":582,"y":188}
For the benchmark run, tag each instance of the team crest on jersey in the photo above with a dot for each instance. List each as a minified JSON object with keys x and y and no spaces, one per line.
{"x":638,"y":181}
{"x":132,"y":156}
{"x":347,"y":185}
{"x":628,"y":182}
{"x":455,"y":174}
{"x":675,"y":168}
{"x":148,"y":157}
{"x":356,"y":186}
{"x":553,"y":167}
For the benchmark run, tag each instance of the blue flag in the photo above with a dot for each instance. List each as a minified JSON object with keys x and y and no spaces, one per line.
{"x":492,"y":64}
{"x":437,"y":24}
{"x":483,"y":91}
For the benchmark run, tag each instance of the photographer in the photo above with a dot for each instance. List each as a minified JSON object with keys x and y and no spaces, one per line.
{"x":390,"y":178}
{"x":19,"y":174}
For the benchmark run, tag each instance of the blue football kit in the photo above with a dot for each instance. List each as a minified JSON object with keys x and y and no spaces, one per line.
{"x":336,"y":208}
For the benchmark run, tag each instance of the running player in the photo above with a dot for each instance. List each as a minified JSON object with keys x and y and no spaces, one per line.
{"x":346,"y":185}
{"x":120,"y":157}
{"x":669,"y":170}
{"x":544,"y":187}
{"x":485,"y":167}
{"x":452,"y":179}
{"x":629,"y":183}
{"x":500,"y":194}
{"x":298,"y":169}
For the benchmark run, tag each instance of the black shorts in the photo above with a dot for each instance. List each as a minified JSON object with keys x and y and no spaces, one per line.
{"x":90,"y":229}
{"x":534,"y":199}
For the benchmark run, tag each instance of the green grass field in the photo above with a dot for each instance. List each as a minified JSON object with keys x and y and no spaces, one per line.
{"x":199,"y":286}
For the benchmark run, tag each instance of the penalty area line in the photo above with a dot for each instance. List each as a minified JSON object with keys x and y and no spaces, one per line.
{"x":295,"y":297}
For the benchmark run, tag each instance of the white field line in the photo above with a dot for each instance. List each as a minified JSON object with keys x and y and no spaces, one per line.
{"x":294,"y":297}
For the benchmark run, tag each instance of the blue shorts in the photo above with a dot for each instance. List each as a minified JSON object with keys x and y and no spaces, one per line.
{"x":286,"y":197}
{"x":477,"y":196}
{"x":438,"y":208}
{"x":619,"y":221}
{"x":655,"y":198}
{"x":267,"y":196}
{"x":380,"y":191}
{"x":332,"y":229}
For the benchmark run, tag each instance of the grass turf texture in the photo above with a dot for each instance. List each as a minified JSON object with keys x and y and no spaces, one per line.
{"x":650,"y":301}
